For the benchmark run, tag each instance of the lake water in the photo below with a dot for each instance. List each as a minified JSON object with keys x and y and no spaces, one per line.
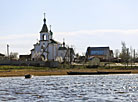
{"x":94,"y":88}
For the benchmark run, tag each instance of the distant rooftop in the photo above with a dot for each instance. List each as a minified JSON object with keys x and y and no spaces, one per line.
{"x":97,"y":48}
{"x":2,"y":54}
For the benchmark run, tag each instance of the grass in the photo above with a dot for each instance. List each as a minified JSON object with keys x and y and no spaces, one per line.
{"x":8,"y":71}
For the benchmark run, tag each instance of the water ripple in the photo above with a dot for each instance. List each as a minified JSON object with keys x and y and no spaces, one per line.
{"x":96,"y":88}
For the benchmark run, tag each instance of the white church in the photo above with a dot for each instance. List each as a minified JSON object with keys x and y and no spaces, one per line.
{"x":47,"y":49}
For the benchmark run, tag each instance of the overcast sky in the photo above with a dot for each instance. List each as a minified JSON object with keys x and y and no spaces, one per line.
{"x":82,"y":23}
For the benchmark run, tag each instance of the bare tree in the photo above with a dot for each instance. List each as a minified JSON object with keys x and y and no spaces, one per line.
{"x":124,"y":55}
{"x":14,"y":55}
{"x":134,"y":55}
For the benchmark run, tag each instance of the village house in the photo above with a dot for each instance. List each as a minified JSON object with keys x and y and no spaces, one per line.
{"x":103,"y":53}
{"x":25,"y":57}
{"x":2,"y":56}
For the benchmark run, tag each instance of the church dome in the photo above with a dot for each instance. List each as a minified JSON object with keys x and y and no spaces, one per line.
{"x":44,"y":28}
{"x":51,"y":32}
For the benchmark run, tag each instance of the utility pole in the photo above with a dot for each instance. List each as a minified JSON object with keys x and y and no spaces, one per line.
{"x":127,"y":56}
{"x":47,"y":51}
{"x":134,"y":56}
{"x":8,"y":50}
{"x":131,"y":56}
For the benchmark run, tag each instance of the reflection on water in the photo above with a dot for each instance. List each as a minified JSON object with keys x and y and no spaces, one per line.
{"x":94,"y":88}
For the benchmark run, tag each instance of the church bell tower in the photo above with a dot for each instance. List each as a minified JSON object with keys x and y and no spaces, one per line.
{"x":44,"y":35}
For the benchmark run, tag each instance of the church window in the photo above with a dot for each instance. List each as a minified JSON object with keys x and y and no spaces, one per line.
{"x":44,"y":37}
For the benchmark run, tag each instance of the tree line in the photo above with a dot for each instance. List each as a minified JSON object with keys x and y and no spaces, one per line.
{"x":127,"y":55}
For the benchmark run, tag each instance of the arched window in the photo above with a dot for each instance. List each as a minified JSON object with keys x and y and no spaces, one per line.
{"x":44,"y":37}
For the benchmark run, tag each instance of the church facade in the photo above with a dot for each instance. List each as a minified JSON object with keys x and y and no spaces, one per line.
{"x":48,"y":49}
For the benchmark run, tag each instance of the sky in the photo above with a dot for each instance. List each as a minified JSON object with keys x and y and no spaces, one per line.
{"x":82,"y":23}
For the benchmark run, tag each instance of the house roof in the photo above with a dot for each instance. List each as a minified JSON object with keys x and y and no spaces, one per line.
{"x":97,"y":48}
{"x":2,"y":54}
{"x":90,"y":50}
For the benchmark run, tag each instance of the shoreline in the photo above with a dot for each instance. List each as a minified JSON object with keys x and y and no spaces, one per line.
{"x":14,"y":71}
{"x":20,"y":73}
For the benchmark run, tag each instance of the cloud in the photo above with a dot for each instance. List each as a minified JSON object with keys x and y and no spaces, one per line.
{"x":23,"y":43}
{"x":17,"y":36}
{"x":100,"y":37}
{"x":94,"y":32}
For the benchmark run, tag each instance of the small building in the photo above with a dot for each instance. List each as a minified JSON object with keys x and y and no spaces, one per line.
{"x":25,"y":57}
{"x":103,"y":53}
{"x":2,"y":56}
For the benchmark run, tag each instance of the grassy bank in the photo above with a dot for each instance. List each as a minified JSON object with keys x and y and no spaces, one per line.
{"x":8,"y":71}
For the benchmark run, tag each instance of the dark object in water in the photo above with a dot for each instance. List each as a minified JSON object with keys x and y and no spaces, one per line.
{"x":96,"y":73}
{"x":81,"y":73}
{"x":27,"y":76}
